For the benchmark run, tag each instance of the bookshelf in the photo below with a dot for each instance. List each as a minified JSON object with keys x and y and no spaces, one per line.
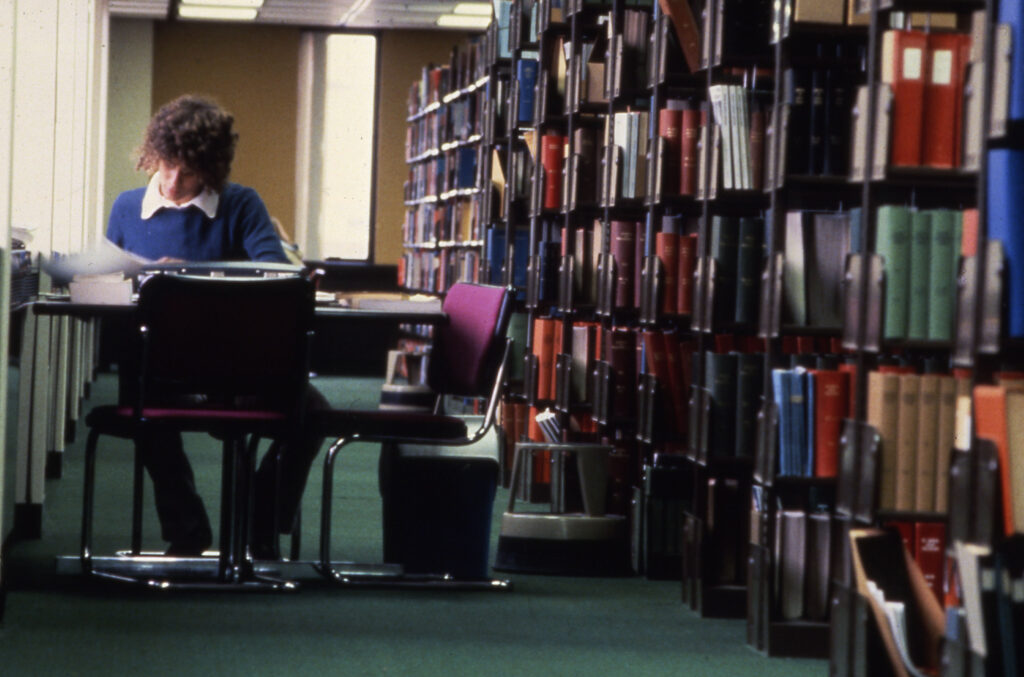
{"x":703,"y":229}
{"x":444,"y":197}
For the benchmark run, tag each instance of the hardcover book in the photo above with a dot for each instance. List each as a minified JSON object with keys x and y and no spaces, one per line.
{"x":903,"y":62}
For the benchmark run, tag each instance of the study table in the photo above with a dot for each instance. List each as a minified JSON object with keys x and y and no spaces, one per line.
{"x":60,"y":306}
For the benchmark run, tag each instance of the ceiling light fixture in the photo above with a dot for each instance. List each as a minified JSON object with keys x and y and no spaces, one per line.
{"x":473,"y":8}
{"x":224,"y":3}
{"x":463,"y":21}
{"x":223,"y":13}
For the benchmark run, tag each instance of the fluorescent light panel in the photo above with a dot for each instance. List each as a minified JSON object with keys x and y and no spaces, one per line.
{"x":473,"y":8}
{"x":224,"y":3}
{"x":226,"y":13}
{"x":463,"y":21}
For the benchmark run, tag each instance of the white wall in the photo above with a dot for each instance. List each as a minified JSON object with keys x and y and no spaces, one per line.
{"x":53,"y":67}
{"x":129,"y":103}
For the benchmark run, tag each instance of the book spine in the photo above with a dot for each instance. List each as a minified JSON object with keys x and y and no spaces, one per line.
{"x":920,"y":251}
{"x":670,"y":123}
{"x":893,"y":244}
{"x":687,"y":264}
{"x":906,"y":441}
{"x":942,"y":262}
{"x":689,"y":160}
{"x":666,"y":246}
{"x":748,"y":274}
{"x":720,"y":377}
{"x":623,"y":249}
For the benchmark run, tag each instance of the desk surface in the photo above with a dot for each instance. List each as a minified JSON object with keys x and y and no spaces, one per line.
{"x":55,"y":306}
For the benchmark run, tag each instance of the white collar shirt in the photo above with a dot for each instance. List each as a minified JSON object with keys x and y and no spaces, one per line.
{"x":153,"y":201}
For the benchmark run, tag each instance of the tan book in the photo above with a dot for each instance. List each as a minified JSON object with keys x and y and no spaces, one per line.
{"x":791,"y":556}
{"x":927,"y":442}
{"x":859,"y":137}
{"x":906,"y":441}
{"x":854,"y":16}
{"x":944,"y":441}
{"x":999,"y":97}
{"x":1015,"y":456}
{"x":818,"y":11}
{"x":883,"y":409}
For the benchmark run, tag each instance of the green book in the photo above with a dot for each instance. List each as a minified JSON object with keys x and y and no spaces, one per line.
{"x":720,"y":379}
{"x":892,"y":243}
{"x":945,"y":246}
{"x":517,"y":323}
{"x":748,"y":269}
{"x":725,"y":233}
{"x":749,"y":388}
{"x":920,"y":268}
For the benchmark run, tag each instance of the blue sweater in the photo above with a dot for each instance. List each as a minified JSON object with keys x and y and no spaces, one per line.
{"x":241,"y":230}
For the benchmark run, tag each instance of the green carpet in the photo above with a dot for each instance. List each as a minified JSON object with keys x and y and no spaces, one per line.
{"x":544,"y":626}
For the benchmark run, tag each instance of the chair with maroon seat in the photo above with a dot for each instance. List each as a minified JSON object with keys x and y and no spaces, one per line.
{"x":467,"y":359}
{"x":202,"y":366}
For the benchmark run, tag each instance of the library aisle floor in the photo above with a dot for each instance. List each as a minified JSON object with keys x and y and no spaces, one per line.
{"x":545,"y":626}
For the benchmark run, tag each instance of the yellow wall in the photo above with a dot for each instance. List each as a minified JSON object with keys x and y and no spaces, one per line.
{"x":252,"y":71}
{"x":402,"y":57}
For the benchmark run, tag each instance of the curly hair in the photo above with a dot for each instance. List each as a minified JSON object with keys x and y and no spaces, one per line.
{"x":195,"y":132}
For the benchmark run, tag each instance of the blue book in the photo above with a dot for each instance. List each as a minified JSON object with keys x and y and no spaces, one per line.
{"x":798,"y":419}
{"x":466,"y":167}
{"x":1012,"y":12}
{"x":807,"y":469}
{"x":494,"y":251}
{"x":1005,"y":210}
{"x":780,"y":391}
{"x":526,"y":74}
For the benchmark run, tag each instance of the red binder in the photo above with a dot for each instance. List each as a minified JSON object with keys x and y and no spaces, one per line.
{"x":904,"y":65}
{"x":944,"y":100}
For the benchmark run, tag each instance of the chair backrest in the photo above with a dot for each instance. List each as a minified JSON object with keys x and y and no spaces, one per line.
{"x":468,"y":349}
{"x":239,"y":342}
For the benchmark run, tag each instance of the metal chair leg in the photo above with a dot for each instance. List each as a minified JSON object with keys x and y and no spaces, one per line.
{"x":325,"y":508}
{"x":88,"y":495}
{"x":138,"y":484}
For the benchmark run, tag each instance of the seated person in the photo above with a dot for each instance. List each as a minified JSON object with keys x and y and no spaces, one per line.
{"x":190,"y":212}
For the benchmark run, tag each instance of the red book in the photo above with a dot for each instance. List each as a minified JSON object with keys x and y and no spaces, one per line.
{"x":688,"y":149}
{"x":638,"y":262}
{"x":906,"y":530}
{"x":687,"y":30}
{"x":850,"y":369}
{"x":678,"y":384}
{"x":805,"y":345}
{"x":896,"y":369}
{"x":556,"y":348}
{"x":904,"y":65}
{"x":552,"y":146}
{"x":666,"y":246}
{"x":544,"y":350}
{"x":831,"y":405}
{"x":687,"y":263}
{"x":670,"y":121}
{"x":541,"y":459}
{"x":943,"y":100}
{"x":620,"y":353}
{"x":623,"y":249}
{"x":969,"y":233}
{"x":990,"y":423}
{"x":929,"y":553}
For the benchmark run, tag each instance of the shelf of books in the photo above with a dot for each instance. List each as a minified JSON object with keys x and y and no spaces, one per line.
{"x":765,"y":254}
{"x":443,"y":234}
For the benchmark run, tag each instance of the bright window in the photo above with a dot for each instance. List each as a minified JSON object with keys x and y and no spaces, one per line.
{"x":341,"y":146}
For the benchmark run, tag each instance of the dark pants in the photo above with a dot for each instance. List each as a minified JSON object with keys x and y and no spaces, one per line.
{"x":181,"y":511}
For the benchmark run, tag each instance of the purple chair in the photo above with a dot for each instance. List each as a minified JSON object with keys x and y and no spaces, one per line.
{"x":202,"y":366}
{"x":467,"y":359}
